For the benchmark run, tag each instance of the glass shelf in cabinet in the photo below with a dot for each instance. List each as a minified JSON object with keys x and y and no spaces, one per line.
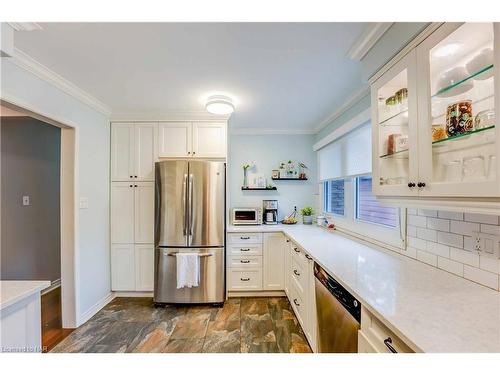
{"x":448,"y":88}
{"x":441,"y":142}
{"x":398,"y":119}
{"x":403,"y":154}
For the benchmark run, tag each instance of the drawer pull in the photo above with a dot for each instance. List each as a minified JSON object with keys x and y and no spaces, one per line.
{"x":308,"y":257}
{"x":244,"y":238}
{"x":244,"y":278}
{"x":296,"y":272}
{"x":296,"y":250}
{"x":287,"y":240}
{"x":244,"y":261}
{"x":295,"y":302}
{"x":244,"y":249}
{"x":388,"y":342}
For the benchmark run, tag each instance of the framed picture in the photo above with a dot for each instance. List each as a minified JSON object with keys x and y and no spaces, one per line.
{"x":256,"y":180}
{"x":276,"y":173}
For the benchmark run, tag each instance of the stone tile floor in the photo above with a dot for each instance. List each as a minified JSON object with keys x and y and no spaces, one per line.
{"x":242,"y":325}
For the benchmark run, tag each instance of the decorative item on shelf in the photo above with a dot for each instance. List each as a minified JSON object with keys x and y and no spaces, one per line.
{"x":290,"y":170}
{"x":397,"y":143}
{"x":459,"y":118}
{"x":302,"y":171}
{"x":292,"y":218}
{"x":275,"y":174}
{"x":306,"y":213}
{"x":282,"y":170}
{"x":246,"y":167}
{"x":391,"y":101}
{"x":438,"y":132}
{"x":257,"y":180}
{"x":402,"y":96}
{"x":483,"y":62}
{"x":484,"y":119}
{"x":446,"y":82}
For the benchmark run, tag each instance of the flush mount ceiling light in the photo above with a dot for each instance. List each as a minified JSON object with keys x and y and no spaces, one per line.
{"x":447,"y":49}
{"x":219,"y":105}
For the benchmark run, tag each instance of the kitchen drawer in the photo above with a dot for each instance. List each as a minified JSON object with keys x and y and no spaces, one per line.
{"x":299,"y":255}
{"x":244,"y":261}
{"x":364,"y":345}
{"x":244,"y":238}
{"x":299,"y":274}
{"x":297,"y":302}
{"x":244,"y":279}
{"x":377,"y":333}
{"x":245,"y":249}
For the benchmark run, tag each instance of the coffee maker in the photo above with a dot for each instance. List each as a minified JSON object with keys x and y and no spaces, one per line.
{"x":270,"y":211}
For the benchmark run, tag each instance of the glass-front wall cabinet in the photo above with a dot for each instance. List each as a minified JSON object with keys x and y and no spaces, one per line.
{"x":458,"y":136}
{"x":394,"y":129}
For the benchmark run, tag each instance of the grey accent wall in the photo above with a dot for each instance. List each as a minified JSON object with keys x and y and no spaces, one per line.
{"x":30,"y":152}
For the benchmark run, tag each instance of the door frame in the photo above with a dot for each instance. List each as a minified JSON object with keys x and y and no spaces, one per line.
{"x":68,"y":206}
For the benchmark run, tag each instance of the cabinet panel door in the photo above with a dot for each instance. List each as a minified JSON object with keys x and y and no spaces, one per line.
{"x":144,"y":212}
{"x":394,"y":130}
{"x":209,"y":140}
{"x":122,"y":152}
{"x":312,"y":325}
{"x":274,"y":267}
{"x":144,"y":268}
{"x":145,"y":151}
{"x":458,"y":96}
{"x":122,"y":267}
{"x":122,"y":212}
{"x":174,"y":139}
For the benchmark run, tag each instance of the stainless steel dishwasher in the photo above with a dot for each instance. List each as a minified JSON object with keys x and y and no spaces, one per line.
{"x":339,"y":315}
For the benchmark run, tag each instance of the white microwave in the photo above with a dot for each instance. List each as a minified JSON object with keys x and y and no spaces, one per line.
{"x":246,"y":216}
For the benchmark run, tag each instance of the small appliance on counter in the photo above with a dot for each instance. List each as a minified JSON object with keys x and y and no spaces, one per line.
{"x":270,"y":208}
{"x":246,"y":216}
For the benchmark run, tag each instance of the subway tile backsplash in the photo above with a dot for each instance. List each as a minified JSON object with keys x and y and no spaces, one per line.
{"x":444,"y":240}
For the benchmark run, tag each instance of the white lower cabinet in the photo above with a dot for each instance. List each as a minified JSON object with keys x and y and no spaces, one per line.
{"x":132,"y":267}
{"x":274,"y":267}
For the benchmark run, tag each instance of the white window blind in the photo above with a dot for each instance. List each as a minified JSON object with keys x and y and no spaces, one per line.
{"x":350,"y":155}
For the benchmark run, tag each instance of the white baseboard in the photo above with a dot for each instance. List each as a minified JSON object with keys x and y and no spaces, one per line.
{"x":263,"y":293}
{"x":133,"y":294}
{"x":96,"y":308}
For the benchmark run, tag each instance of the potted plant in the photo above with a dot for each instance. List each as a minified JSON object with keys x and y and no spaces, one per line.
{"x":306,"y":213}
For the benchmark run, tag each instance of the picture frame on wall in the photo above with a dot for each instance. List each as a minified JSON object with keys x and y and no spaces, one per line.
{"x":276,"y":173}
{"x":257,"y":180}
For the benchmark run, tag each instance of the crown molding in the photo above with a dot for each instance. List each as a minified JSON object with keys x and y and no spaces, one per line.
{"x":344,"y":107}
{"x":168,"y":116}
{"x":367,"y":39}
{"x":27,"y":63}
{"x":25,"y":26}
{"x":259,"y":131}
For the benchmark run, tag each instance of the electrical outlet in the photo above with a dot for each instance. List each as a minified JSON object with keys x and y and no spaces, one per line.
{"x":26,"y":200}
{"x":487,"y":245}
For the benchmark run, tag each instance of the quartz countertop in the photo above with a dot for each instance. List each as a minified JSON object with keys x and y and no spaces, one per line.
{"x":15,"y":291}
{"x":430,"y":309}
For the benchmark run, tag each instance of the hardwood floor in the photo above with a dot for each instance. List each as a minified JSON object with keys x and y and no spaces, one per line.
{"x":52,"y":331}
{"x":258,"y":325}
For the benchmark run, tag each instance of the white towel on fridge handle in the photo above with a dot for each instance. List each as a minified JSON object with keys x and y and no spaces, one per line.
{"x":188,"y":270}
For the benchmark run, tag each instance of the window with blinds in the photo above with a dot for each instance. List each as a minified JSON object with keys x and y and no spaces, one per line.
{"x":369,"y":209}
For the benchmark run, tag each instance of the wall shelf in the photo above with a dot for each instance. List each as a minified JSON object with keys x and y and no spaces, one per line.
{"x":266,"y":188}
{"x":289,"y":179}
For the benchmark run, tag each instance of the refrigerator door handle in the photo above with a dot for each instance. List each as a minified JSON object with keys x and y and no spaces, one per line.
{"x":184,"y":204}
{"x":190,"y":198}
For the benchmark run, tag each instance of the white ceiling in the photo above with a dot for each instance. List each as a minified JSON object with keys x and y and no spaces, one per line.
{"x":283,"y":75}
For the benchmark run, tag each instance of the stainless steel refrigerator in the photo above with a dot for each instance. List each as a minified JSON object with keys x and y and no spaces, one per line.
{"x":190,"y":217}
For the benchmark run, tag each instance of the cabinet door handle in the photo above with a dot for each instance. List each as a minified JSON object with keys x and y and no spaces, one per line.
{"x":131,"y":185}
{"x":189,"y":152}
{"x":131,"y":176}
{"x":244,"y":238}
{"x":421,"y":184}
{"x":296,"y":250}
{"x":411,"y":184}
{"x":135,"y":176}
{"x":244,"y":249}
{"x":308,"y":257}
{"x":296,"y":272}
{"x":295,"y":302}
{"x":135,"y":185}
{"x":244,"y":261}
{"x":287,"y":240}
{"x":388,"y":343}
{"x":244,"y":278}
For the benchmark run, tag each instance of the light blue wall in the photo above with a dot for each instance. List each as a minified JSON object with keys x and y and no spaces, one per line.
{"x":268,"y":151}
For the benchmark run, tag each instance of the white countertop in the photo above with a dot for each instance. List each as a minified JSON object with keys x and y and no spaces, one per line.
{"x":430,"y":309}
{"x":15,"y":291}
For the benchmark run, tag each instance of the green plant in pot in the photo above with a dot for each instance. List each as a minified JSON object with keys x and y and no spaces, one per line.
{"x":307,"y":213}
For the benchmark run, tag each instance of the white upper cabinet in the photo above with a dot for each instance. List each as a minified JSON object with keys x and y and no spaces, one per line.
{"x":145,"y":151}
{"x":133,"y":151}
{"x":122,"y":212}
{"x":197,"y":139}
{"x":209,"y":140}
{"x":274,"y":261}
{"x":122,"y":152}
{"x":436,"y":136}
{"x":144,"y":193}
